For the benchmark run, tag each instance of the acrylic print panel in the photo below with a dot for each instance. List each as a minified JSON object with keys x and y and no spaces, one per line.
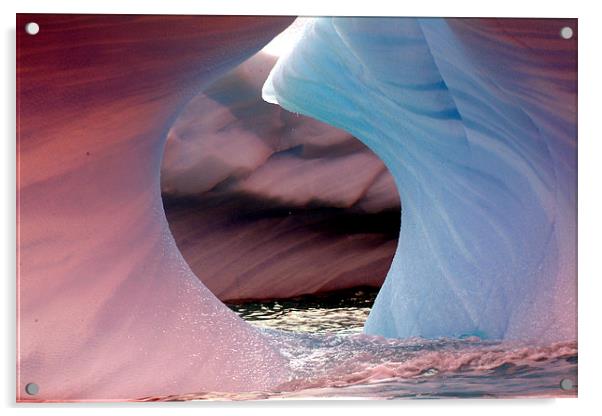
{"x":247,"y":207}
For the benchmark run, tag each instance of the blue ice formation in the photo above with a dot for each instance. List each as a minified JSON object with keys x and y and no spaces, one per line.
{"x":476,"y":120}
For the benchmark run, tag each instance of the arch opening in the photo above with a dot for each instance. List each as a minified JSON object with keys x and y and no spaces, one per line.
{"x":291,"y":222}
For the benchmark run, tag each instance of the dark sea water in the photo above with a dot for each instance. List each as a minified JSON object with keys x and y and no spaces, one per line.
{"x":340,"y":313}
{"x":330,"y":357}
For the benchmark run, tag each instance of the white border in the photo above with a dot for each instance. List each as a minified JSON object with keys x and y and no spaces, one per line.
{"x":507,"y":8}
{"x":590,"y":209}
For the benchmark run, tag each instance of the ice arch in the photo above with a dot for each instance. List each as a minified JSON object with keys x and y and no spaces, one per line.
{"x":476,"y":120}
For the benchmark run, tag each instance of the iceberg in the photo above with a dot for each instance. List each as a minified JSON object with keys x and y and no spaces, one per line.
{"x":476,"y":121}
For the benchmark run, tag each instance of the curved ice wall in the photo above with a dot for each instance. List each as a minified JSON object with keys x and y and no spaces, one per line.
{"x":476,"y":120}
{"x":107,"y":306}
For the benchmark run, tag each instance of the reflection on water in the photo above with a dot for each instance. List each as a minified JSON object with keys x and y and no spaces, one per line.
{"x":341,"y":312}
{"x":329,"y":356}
